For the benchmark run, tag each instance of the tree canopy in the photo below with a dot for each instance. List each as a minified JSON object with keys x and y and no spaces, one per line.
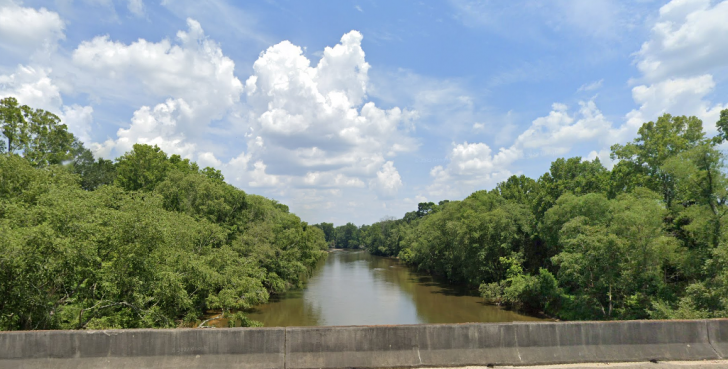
{"x":146,"y":240}
{"x":152,"y":240}
{"x":646,"y":239}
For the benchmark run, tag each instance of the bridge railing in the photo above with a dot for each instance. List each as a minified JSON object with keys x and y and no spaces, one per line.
{"x":370,"y":346}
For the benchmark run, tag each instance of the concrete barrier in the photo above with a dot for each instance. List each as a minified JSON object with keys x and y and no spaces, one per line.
{"x":718,"y":334}
{"x":145,"y":348}
{"x":579,"y":342}
{"x":369,"y":346}
{"x":400,"y":346}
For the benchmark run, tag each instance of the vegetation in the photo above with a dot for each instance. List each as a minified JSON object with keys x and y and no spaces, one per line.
{"x":646,"y":239}
{"x":147,"y":240}
{"x":151,"y":240}
{"x":343,"y":237}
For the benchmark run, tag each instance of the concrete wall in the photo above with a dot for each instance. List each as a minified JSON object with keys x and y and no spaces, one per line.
{"x":369,"y":346}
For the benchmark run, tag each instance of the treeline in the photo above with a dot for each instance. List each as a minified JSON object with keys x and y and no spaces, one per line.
{"x":349,"y":236}
{"x":647,"y":239}
{"x":342,"y":237}
{"x":146,"y":240}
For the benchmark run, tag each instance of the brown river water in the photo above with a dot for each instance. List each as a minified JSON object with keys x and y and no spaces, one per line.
{"x":357,"y":288}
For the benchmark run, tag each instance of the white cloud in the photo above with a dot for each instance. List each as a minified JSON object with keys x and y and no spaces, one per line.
{"x":679,"y":96}
{"x":319,"y":130}
{"x":160,"y":126}
{"x":194,"y":68}
{"x":558,"y":132}
{"x":688,"y":39}
{"x":591,"y":86}
{"x":474,"y":166}
{"x":388,"y":181}
{"x":34,"y":87}
{"x":78,"y":119}
{"x":262,"y":179}
{"x":471,"y":166}
{"x":26,"y":30}
{"x":329,"y":179}
{"x":136,"y":7}
{"x":193,"y":71}
{"x":208,"y":159}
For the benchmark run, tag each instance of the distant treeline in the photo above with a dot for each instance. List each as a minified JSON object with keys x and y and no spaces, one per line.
{"x":646,"y":239}
{"x":147,"y":240}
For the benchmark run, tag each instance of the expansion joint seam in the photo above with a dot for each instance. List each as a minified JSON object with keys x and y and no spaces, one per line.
{"x":518,"y":351}
{"x":710,"y":340}
{"x":285,"y":347}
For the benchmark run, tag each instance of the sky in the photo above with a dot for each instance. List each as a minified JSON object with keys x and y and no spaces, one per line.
{"x":356,"y":110}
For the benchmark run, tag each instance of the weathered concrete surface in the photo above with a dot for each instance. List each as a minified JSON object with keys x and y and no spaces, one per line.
{"x":498,"y":344}
{"x":718,"y":333}
{"x":145,"y":348}
{"x":446,"y":345}
{"x":400,"y":346}
{"x":575,"y":342}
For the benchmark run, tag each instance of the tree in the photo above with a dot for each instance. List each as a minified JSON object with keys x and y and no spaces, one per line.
{"x":425,"y":208}
{"x":49,"y":141}
{"x":328,"y":229}
{"x":213,"y":174}
{"x":722,"y":125}
{"x":519,"y":189}
{"x":656,"y":142}
{"x":142,"y":168}
{"x":35,"y":133}
{"x":347,"y":236}
{"x":568,"y":175}
{"x":94,"y":173}
{"x":13,"y":124}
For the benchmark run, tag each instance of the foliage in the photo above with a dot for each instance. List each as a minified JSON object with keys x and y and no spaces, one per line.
{"x":646,"y":239}
{"x":147,"y":241}
{"x":151,"y":240}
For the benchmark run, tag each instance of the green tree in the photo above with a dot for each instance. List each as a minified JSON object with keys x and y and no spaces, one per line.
{"x":13,"y":124}
{"x":93,"y":172}
{"x":722,"y":126}
{"x":656,"y":142}
{"x":142,"y":168}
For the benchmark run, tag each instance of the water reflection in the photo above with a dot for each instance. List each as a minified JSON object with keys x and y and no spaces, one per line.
{"x":356,"y":288}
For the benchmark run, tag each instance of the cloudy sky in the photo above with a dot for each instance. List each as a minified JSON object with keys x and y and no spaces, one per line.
{"x":355,"y":110}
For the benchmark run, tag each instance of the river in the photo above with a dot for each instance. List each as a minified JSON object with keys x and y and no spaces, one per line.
{"x":357,"y":288}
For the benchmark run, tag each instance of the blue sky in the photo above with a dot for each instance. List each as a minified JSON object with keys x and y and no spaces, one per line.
{"x":357,"y":110}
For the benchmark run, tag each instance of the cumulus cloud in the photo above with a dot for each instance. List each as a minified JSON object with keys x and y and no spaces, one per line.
{"x":387,"y":181}
{"x":556,"y":133}
{"x":471,"y":166}
{"x":193,"y":71}
{"x":678,"y":96}
{"x":474,"y":165}
{"x":316,"y":124}
{"x":307,"y":130}
{"x":686,"y":44}
{"x":161,"y":126}
{"x":34,"y":87}
{"x":688,"y":39}
{"x":194,"y":68}
{"x":25,"y":31}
